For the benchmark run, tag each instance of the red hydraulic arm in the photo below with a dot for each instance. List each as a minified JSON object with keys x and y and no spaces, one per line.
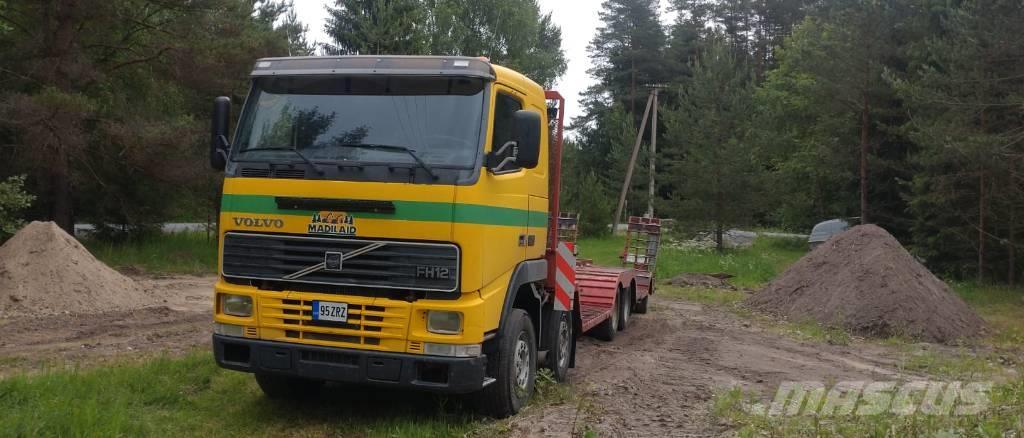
{"x":555,"y":182}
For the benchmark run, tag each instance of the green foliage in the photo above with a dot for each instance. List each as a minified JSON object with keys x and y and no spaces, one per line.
{"x":13,"y":200}
{"x":627,"y":50}
{"x":964,"y":97}
{"x":750,"y":267}
{"x":159,"y":253}
{"x":105,"y":103}
{"x":716,"y":178}
{"x":512,"y":33}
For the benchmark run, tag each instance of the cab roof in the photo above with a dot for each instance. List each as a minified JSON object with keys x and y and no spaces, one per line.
{"x":373,"y":65}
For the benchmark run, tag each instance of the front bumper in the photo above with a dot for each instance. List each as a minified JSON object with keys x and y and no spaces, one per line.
{"x":400,"y":370}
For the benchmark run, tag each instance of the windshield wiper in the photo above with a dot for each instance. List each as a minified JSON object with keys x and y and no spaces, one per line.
{"x":282,"y":148}
{"x":396,"y":148}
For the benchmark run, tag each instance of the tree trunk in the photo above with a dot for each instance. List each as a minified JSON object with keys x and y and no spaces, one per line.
{"x":1011,"y":252}
{"x":865,"y":123}
{"x":62,"y":16}
{"x":719,"y":245}
{"x":60,"y":210}
{"x":981,"y":227}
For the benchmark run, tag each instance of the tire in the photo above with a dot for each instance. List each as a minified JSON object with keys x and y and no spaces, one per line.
{"x":625,"y":308}
{"x":559,"y":341}
{"x":605,"y":331}
{"x":288,"y":388}
{"x":515,"y":370}
{"x":641,"y":307}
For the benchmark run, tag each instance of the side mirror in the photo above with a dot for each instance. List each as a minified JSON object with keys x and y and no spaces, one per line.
{"x":219,"y":143}
{"x":526,"y":133}
{"x":523,"y":150}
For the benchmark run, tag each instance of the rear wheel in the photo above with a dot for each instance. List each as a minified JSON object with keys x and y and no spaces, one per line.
{"x":605,"y":331}
{"x":515,"y":368}
{"x":288,"y":388}
{"x":625,"y":308}
{"x":559,"y":341}
{"x":641,"y":307}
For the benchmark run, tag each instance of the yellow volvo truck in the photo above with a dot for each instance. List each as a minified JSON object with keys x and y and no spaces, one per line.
{"x":385,"y":221}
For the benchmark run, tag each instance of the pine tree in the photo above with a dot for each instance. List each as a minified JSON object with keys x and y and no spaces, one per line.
{"x":716,"y":178}
{"x":964,"y":95}
{"x":376,"y":27}
{"x":627,"y":51}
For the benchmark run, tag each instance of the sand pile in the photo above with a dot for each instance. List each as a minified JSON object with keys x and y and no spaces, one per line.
{"x":45,"y":271}
{"x":864,"y":281}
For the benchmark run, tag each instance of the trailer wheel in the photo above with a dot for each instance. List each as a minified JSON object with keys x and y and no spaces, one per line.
{"x":288,"y":388}
{"x":516,"y":366}
{"x":605,"y":331}
{"x":625,"y":307}
{"x":641,"y":307}
{"x":559,"y":341}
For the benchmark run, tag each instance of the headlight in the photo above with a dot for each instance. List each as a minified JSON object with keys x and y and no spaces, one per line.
{"x":451,"y":350}
{"x":236,"y":305}
{"x":444,"y":322}
{"x":228,"y":329}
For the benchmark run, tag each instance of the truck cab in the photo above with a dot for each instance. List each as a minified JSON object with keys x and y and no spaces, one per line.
{"x":385,"y":220}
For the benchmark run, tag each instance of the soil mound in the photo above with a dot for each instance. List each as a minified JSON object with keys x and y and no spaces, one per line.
{"x":864,"y":281}
{"x":45,"y":271}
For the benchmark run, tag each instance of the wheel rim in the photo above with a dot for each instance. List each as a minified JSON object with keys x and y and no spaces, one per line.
{"x":522,"y":363}
{"x":563,"y":344}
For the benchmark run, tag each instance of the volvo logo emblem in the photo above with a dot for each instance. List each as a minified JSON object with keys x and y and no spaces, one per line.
{"x":333,"y":261}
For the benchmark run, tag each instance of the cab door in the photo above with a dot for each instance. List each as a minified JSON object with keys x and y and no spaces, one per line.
{"x":492,"y":216}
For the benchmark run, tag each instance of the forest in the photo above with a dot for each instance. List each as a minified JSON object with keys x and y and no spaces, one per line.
{"x":907,"y":114}
{"x":772,"y":113}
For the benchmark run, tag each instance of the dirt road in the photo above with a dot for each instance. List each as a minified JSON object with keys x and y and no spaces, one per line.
{"x":656,"y":378}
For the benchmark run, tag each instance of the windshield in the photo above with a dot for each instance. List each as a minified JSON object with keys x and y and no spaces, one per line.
{"x":334,"y":119}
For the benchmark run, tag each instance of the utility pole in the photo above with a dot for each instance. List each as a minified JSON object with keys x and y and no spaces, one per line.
{"x":654,"y":152}
{"x":632,"y":163}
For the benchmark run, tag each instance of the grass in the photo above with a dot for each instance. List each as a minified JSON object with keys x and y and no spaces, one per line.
{"x":175,"y":253}
{"x":191,"y":396}
{"x":751,"y":267}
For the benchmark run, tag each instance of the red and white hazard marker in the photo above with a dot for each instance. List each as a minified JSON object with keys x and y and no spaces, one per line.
{"x":565,"y":276}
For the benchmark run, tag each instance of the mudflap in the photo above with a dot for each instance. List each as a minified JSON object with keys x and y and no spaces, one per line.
{"x":577,"y":328}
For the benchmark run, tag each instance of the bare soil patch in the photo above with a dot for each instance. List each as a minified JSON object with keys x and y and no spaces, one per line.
{"x":659,"y":376}
{"x":864,"y":281}
{"x":178,"y":318}
{"x":711,"y":281}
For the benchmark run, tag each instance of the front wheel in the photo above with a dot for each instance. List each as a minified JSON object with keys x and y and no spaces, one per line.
{"x":516,"y":368}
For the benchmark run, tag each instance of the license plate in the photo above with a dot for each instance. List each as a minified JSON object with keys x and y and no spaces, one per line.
{"x":328,"y":311}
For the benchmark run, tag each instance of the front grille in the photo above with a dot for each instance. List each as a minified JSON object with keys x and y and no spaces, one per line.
{"x":255,"y":172}
{"x":278,"y":172}
{"x":290,"y":173}
{"x":368,"y":326}
{"x":394,"y":265}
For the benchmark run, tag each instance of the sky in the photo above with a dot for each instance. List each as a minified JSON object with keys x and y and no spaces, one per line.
{"x":578,"y":19}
